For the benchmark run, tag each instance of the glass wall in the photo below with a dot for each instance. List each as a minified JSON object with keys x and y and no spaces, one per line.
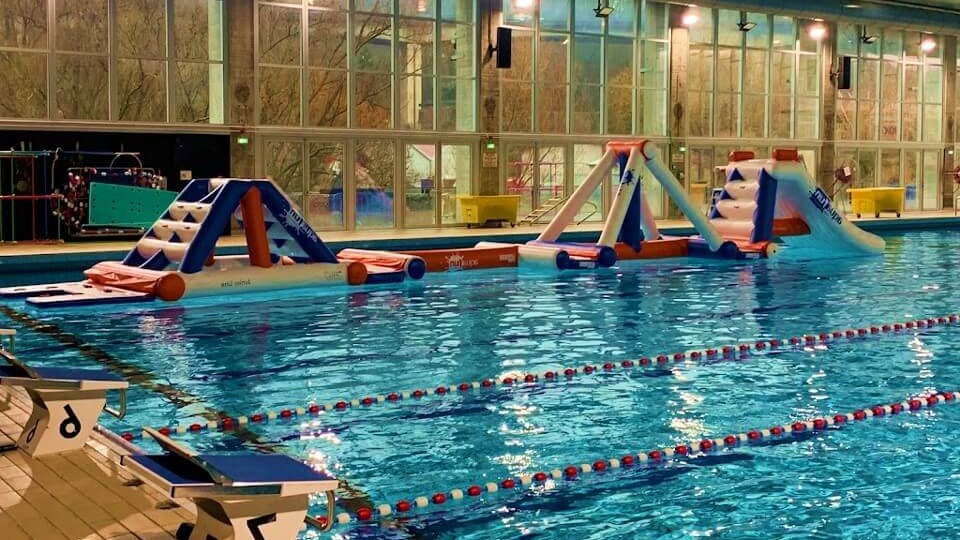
{"x":371,"y":183}
{"x":574,"y":72}
{"x":380,"y":64}
{"x":916,"y":170}
{"x":761,"y":83}
{"x":896,"y":95}
{"x":101,"y":60}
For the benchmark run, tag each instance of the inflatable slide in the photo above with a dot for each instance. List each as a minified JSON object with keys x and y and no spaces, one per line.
{"x":804,"y":217}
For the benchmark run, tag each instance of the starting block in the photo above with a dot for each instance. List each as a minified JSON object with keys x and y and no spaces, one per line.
{"x":238,"y":497}
{"x":66,"y":404}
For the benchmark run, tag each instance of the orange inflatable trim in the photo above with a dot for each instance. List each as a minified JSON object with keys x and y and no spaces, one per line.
{"x":445,"y":260}
{"x":654,"y":249}
{"x":167,"y":286}
{"x":790,"y":227}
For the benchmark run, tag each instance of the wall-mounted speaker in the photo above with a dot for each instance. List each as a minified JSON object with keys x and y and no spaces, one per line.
{"x":504,"y":46}
{"x":843,"y":78}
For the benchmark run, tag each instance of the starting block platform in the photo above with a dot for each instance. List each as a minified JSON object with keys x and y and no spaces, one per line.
{"x":238,"y":497}
{"x":66,"y":403}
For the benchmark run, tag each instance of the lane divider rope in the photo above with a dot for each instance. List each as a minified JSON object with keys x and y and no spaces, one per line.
{"x":551,"y":479}
{"x":726,"y":352}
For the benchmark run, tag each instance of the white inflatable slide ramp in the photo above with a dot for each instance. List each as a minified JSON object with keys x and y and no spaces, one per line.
{"x":799,"y":198}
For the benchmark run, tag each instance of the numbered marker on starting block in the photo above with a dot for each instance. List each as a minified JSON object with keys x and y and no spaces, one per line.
{"x":66,"y":403}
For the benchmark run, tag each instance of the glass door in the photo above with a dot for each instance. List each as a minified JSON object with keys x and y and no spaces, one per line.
{"x":373,"y":180}
{"x":585,"y":158}
{"x":911,"y":179}
{"x":931,"y":180}
{"x":521,"y":171}
{"x":456,"y":172}
{"x":420,"y":185}
{"x":551,"y":183}
{"x":324,"y":197}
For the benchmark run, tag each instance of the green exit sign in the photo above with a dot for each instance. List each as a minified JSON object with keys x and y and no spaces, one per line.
{"x":242,"y":139}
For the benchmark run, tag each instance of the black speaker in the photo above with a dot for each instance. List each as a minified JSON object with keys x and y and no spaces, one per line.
{"x":504,"y":42}
{"x":843,"y":79}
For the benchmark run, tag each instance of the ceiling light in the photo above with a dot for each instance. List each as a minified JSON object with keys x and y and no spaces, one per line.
{"x":867,"y":38}
{"x":523,"y":4}
{"x":928,"y":44}
{"x":603,"y":8}
{"x":690,"y":18}
{"x":817,"y":31}
{"x":744,"y":25}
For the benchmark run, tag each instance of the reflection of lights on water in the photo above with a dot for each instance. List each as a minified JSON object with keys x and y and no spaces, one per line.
{"x":310,"y":431}
{"x":517,"y":463}
{"x":318,"y":461}
{"x":688,"y":427}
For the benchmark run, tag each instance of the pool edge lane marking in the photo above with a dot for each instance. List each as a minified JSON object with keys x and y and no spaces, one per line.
{"x":551,"y":478}
{"x":726,"y":352}
{"x":144,"y":379}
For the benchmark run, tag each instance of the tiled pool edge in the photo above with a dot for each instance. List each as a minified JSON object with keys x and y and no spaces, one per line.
{"x":81,"y":260}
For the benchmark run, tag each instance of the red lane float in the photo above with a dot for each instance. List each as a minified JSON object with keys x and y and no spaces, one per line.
{"x":552,"y":478}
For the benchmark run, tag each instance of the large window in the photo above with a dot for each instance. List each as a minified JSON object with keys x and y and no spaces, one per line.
{"x":896,"y":89}
{"x":60,"y":60}
{"x":381,"y":64}
{"x":573,"y":72}
{"x":761,"y":83}
{"x":24,"y":57}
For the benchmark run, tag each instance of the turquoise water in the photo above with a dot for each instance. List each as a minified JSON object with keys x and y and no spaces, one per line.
{"x":889,"y":477}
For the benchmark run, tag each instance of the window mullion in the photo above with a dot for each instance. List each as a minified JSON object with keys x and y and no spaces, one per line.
{"x":113,"y":111}
{"x":171,"y":64}
{"x":51,"y":62}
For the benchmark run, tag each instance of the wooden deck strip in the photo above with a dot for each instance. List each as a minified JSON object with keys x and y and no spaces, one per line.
{"x":83,"y":495}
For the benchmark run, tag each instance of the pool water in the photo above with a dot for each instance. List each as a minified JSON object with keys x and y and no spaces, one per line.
{"x":887,"y":477}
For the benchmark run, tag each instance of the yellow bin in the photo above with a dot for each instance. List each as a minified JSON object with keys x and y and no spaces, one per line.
{"x":481,"y":209}
{"x":875,"y":200}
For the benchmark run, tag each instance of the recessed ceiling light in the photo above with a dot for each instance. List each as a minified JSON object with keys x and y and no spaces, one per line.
{"x":817,"y":31}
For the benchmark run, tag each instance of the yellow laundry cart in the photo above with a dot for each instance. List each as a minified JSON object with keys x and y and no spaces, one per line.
{"x":866,"y":201}
{"x":483,"y":209}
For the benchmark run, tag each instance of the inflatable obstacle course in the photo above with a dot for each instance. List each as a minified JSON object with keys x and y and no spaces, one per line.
{"x":175,"y":257}
{"x":762,"y":202}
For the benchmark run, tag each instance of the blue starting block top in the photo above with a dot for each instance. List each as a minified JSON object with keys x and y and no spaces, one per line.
{"x":19,"y":374}
{"x":60,"y":374}
{"x":209,"y":475}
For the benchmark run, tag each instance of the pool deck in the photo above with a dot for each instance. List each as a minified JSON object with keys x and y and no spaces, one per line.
{"x":82,"y":495}
{"x":24,"y":257}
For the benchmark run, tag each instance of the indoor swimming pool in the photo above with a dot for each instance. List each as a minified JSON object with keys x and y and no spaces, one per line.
{"x":359,"y":356}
